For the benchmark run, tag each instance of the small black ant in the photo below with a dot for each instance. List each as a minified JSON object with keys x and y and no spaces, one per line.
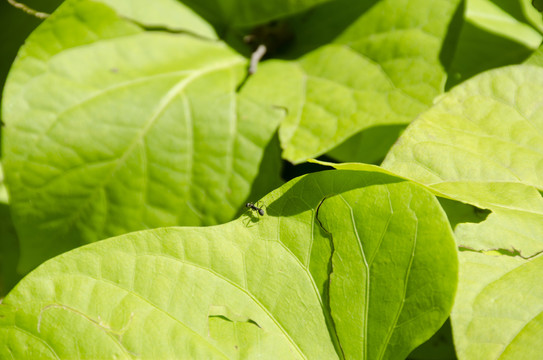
{"x":254,"y":207}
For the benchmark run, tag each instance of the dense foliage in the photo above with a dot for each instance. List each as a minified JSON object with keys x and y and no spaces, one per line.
{"x":148,"y":192}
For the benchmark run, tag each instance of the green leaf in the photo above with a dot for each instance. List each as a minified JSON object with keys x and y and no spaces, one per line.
{"x":459,"y":213}
{"x":111,"y":129}
{"x":15,"y":25}
{"x":369,"y":146}
{"x":536,"y":58}
{"x":350,"y":264}
{"x":234,"y":13}
{"x":497,"y":312}
{"x":485,"y":130}
{"x":482,"y":144}
{"x":496,"y":33}
{"x":531,"y":14}
{"x":480,"y":50}
{"x":439,"y":347}
{"x":504,"y":17}
{"x":168,"y":14}
{"x":361,"y":70}
{"x":515,"y":224}
{"x":269,"y":173}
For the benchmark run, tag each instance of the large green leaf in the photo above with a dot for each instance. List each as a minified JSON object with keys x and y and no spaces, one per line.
{"x":350,"y":264}
{"x":367,"y":64}
{"x":486,"y":130}
{"x":111,"y":129}
{"x":497,"y":312}
{"x":482,"y":144}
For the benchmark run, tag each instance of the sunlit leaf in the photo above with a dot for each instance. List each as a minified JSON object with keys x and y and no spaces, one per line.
{"x":348,"y":264}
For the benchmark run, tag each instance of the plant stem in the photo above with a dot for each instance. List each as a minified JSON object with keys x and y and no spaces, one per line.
{"x":28,"y":10}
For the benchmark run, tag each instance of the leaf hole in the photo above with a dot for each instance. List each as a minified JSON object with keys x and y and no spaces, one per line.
{"x":458,"y":212}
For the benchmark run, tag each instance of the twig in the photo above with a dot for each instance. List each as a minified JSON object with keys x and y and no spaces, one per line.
{"x":256,"y":57}
{"x":26,"y":9}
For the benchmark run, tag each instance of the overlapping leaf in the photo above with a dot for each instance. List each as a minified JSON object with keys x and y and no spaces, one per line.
{"x":169,"y":14}
{"x":361,"y":69}
{"x":369,"y":146}
{"x":497,"y":312}
{"x":236,"y":13}
{"x":343,"y":264}
{"x":15,"y":25}
{"x":536,"y":58}
{"x":111,"y":129}
{"x":496,"y":33}
{"x":510,"y":19}
{"x":482,"y":144}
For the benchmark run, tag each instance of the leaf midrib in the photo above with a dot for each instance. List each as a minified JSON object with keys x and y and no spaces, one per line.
{"x":166,"y":100}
